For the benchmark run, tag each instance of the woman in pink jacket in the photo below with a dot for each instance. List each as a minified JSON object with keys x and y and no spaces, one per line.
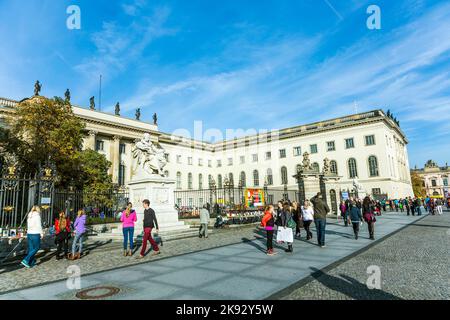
{"x":128,"y":219}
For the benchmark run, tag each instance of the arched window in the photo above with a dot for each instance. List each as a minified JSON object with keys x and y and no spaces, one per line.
{"x":333,"y":167}
{"x":178,"y":180}
{"x":255,"y":178}
{"x":373,"y":166}
{"x":200,"y":181}
{"x":284,"y":175}
{"x":209,"y":181}
{"x":242,"y":179}
{"x":189,"y":180}
{"x":219,"y":181}
{"x":316,"y":167}
{"x":269,"y":177}
{"x":230,"y":177}
{"x":352,"y":170}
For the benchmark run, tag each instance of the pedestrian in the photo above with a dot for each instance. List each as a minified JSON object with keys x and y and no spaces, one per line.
{"x":355,"y":218}
{"x":369,"y":217}
{"x":343,"y":209}
{"x":297,"y":216}
{"x":62,"y":231}
{"x":268,"y":222}
{"x":128,"y":218}
{"x":204,"y":221}
{"x":407,"y":206}
{"x":80,"y":230}
{"x":308,"y":217}
{"x":321,"y":210}
{"x":287,"y":227}
{"x":439,"y":206}
{"x":150,"y":222}
{"x":34,"y":235}
{"x":418,"y":206}
{"x":383,"y":204}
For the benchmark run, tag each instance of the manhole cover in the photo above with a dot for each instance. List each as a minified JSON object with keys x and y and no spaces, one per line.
{"x":97,"y":293}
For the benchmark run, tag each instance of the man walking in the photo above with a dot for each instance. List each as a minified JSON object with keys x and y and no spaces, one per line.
{"x":150,"y":222}
{"x":204,"y":221}
{"x":321,"y":210}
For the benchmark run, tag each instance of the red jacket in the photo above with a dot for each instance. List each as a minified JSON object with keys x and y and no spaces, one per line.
{"x":265,"y":220}
{"x":57,"y":225}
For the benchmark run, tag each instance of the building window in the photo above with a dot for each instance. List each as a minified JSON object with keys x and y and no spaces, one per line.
{"x":121,"y":175}
{"x":190,"y":181}
{"x":373,"y":166}
{"x":316,"y":167}
{"x":255,"y":178}
{"x":209,"y":181}
{"x":282,"y":153}
{"x":200,"y":181}
{"x":99,"y":145}
{"x":433,"y":183}
{"x":230,"y":177}
{"x":230,"y":161}
{"x":376,"y":191}
{"x":445,"y":182}
{"x":313,"y":148}
{"x":242,"y":179}
{"x":352,"y":170}
{"x":210,"y":163}
{"x":255,"y":157}
{"x":331,"y":146}
{"x":333,"y":167}
{"x":190,"y":161}
{"x":122,"y":148}
{"x":178,"y":158}
{"x":219,"y":181}
{"x":268,"y":155}
{"x":178,"y":180}
{"x":219,"y":163}
{"x":242,"y":159}
{"x":200,"y":162}
{"x":297,"y":151}
{"x":349,"y":143}
{"x":284,"y":175}
{"x":370,"y":140}
{"x":269,"y":177}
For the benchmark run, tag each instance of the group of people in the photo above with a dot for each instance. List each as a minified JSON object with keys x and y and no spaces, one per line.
{"x":64,"y":231}
{"x":290,"y":218}
{"x":413,"y":206}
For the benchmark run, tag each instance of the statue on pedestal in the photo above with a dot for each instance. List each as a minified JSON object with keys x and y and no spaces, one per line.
{"x":358,"y":186}
{"x":155,"y":119}
{"x":117,"y":109}
{"x":37,"y":88}
{"x":138,"y":113}
{"x":149,"y":156}
{"x":92,"y":103}
{"x":306,"y":162}
{"x":326,"y":166}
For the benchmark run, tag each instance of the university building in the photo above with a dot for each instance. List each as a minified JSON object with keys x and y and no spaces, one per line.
{"x":435,"y":179}
{"x":368,"y":147}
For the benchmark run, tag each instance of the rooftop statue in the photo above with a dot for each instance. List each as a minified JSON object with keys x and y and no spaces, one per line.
{"x":138,"y":113}
{"x":37,"y":88}
{"x":117,"y":109}
{"x":67,"y":95}
{"x":155,"y":119}
{"x":149,"y":156}
{"x":92,"y":103}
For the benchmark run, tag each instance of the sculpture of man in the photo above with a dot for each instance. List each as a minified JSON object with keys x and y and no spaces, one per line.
{"x":92,"y":103}
{"x":155,"y":119}
{"x":326,"y":166}
{"x":37,"y":88}
{"x":117,"y":110}
{"x":67,"y":95}
{"x":357,"y":185}
{"x":306,"y":162}
{"x":149,"y":156}
{"x":138,"y":113}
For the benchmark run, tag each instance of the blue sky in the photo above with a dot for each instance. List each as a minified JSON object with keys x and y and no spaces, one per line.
{"x":240,"y":64}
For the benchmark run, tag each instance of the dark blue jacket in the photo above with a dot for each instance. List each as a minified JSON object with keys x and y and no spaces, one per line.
{"x":355,"y":214}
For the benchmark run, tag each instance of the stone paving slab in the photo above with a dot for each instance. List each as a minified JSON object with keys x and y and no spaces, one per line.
{"x":239,"y":271}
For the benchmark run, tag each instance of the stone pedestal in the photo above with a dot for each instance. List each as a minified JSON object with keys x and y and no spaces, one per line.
{"x":312,"y":185}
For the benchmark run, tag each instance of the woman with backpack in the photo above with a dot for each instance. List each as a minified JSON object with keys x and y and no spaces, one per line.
{"x":34,"y":235}
{"x":80,"y":229}
{"x":268,"y":222}
{"x":128,"y":219}
{"x":62,"y":229}
{"x":369,"y":216}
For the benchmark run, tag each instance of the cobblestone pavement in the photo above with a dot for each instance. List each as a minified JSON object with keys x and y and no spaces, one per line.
{"x":103,"y":255}
{"x":414,"y":264}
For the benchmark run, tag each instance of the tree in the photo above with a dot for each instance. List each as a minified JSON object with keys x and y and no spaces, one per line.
{"x":417,"y":184}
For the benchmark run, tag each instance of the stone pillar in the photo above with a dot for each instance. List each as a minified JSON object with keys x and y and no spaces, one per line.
{"x":90,"y":143}
{"x":115,"y":158}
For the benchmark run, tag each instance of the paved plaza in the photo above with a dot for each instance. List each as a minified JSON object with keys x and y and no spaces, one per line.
{"x":241,"y":270}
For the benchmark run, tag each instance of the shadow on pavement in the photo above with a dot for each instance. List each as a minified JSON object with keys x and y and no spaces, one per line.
{"x":351,"y":287}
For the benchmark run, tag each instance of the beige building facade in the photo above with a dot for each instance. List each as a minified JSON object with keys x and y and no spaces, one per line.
{"x":435,"y":179}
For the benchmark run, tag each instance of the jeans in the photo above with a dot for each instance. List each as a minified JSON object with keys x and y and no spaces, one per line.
{"x":128,"y":234}
{"x":306,"y":225}
{"x":320,"y":228}
{"x":371,"y":228}
{"x":355,"y":228}
{"x":203,"y":230}
{"x":78,"y":240}
{"x":269,"y":239}
{"x":148,"y":237}
{"x":419,"y":213}
{"x":34,"y":243}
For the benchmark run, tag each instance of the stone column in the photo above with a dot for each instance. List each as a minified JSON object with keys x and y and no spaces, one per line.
{"x":90,"y":143}
{"x":115,"y":158}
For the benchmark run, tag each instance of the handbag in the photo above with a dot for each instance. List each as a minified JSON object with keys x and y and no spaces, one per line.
{"x":291,"y":224}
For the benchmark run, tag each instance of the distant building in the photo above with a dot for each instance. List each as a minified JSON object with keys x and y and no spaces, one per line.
{"x":435,"y":178}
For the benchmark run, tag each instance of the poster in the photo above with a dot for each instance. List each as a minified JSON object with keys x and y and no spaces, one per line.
{"x":344,"y":195}
{"x":254,"y":198}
